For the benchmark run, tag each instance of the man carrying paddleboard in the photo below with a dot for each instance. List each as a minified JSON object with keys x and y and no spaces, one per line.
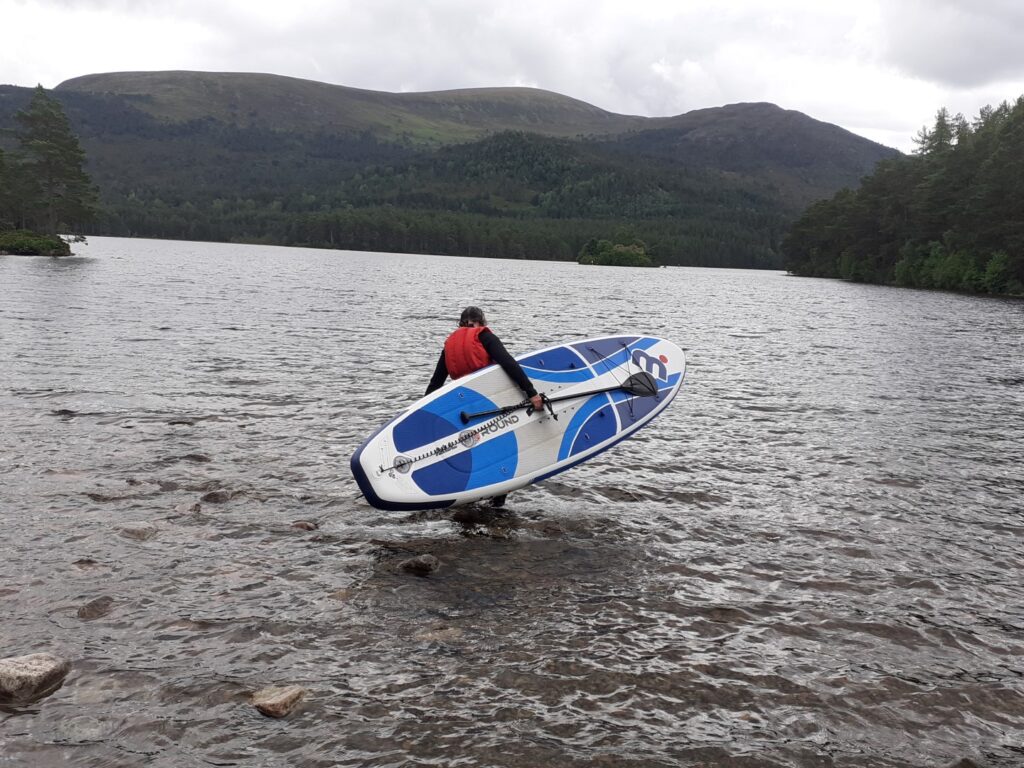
{"x":473,"y":346}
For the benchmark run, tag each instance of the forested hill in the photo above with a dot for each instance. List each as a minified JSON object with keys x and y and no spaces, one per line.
{"x":512,"y":172}
{"x":950,"y":216}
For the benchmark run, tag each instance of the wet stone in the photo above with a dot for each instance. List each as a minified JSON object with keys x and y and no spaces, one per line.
{"x":549,"y":528}
{"x":138,"y":531}
{"x":438,"y":634}
{"x":24,"y":679}
{"x":96,"y":609}
{"x":278,"y":701}
{"x":473,"y":515}
{"x":422,"y":565}
{"x":78,"y":730}
{"x":216,"y":497}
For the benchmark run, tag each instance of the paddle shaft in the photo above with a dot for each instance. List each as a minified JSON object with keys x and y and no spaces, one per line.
{"x":466,"y":417}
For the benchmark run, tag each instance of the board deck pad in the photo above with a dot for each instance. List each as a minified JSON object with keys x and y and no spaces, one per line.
{"x":431,"y":457}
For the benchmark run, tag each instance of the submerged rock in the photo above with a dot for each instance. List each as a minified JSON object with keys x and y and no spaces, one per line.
{"x":24,"y":679}
{"x":278,"y":701}
{"x":438,"y":634}
{"x":422,"y":565}
{"x":548,"y":528}
{"x":216,"y":497}
{"x":189,"y":509}
{"x":138,"y":531}
{"x":96,"y":609}
{"x":305,"y":525}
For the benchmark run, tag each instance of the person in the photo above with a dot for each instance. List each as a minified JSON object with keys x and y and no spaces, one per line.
{"x":473,"y":346}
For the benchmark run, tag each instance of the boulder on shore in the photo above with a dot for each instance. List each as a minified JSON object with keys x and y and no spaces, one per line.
{"x":278,"y":701}
{"x":24,"y":679}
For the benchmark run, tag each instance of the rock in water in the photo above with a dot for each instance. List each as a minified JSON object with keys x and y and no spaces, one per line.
{"x":423,"y":565}
{"x":438,"y":634}
{"x":216,"y":497}
{"x":305,"y":525}
{"x":96,"y":609}
{"x":278,"y":701}
{"x":138,"y":531}
{"x":24,"y":679}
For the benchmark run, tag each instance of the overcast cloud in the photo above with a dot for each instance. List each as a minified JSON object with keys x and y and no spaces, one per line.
{"x":880,"y":69}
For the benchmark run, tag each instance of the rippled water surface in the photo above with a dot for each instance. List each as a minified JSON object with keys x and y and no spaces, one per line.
{"x":815,"y":557}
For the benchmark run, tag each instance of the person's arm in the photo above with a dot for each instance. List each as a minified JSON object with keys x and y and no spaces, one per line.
{"x":440,"y":374}
{"x":501,"y":356}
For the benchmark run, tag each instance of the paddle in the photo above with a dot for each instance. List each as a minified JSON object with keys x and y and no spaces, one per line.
{"x":640,"y":384}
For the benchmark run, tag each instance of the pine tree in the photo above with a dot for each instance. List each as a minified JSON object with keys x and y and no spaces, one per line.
{"x":6,"y":201}
{"x":940,"y":138}
{"x":57,"y":192}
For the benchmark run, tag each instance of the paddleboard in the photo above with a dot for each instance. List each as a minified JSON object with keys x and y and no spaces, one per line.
{"x":472,"y":440}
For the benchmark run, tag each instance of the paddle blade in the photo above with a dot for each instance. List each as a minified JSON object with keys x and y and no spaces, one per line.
{"x":641,"y":384}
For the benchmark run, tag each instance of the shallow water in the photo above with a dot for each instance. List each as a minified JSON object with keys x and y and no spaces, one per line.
{"x":813,"y":558}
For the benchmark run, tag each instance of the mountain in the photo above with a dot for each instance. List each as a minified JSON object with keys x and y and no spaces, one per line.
{"x":805,"y":158}
{"x":490,"y":171}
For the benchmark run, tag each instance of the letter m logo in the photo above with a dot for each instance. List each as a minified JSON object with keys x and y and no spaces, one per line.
{"x":652,"y":365}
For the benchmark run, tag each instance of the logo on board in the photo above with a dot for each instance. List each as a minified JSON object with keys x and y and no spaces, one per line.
{"x":653,"y":365}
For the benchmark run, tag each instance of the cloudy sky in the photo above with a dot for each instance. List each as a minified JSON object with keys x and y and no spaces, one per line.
{"x":880,"y":69}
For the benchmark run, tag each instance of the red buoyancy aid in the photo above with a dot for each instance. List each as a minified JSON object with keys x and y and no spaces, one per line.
{"x":463,"y":352}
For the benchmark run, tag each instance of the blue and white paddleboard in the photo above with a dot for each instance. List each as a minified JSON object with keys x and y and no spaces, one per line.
{"x":453,"y":447}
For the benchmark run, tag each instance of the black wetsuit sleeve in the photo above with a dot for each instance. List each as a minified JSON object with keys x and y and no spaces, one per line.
{"x":439,"y":377}
{"x":501,"y":356}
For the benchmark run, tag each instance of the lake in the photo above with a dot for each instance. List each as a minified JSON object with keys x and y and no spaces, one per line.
{"x":814,"y":557}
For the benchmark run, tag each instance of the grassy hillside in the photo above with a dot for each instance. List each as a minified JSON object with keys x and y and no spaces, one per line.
{"x":290,"y":104}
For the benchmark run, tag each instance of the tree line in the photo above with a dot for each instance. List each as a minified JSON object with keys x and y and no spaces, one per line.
{"x":511,"y":195}
{"x":950,"y":216}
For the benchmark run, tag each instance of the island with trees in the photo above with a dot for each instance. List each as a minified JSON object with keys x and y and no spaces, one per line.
{"x":619,"y":253}
{"x":44,"y":189}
